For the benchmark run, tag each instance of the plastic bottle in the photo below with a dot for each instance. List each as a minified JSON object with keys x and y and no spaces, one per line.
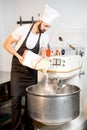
{"x":48,"y":52}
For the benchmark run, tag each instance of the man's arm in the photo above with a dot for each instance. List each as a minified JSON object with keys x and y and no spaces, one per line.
{"x":8,"y":46}
{"x":42,"y":51}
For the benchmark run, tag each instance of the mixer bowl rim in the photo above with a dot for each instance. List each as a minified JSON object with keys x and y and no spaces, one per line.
{"x":52,"y":95}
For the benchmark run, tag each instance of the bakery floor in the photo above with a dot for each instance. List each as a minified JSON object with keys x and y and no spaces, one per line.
{"x":41,"y":127}
{"x":8,"y":126}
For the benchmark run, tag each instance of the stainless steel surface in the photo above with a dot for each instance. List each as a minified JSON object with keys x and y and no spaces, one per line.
{"x":76,"y":124}
{"x":53,"y":108}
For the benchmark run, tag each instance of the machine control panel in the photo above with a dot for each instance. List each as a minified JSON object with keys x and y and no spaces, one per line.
{"x":57,"y":62}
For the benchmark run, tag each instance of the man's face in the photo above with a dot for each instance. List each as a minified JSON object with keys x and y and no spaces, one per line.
{"x":42,"y":27}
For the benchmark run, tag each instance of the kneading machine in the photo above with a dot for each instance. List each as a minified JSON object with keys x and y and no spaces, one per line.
{"x":56,"y":101}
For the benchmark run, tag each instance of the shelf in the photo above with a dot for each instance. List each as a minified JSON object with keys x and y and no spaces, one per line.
{"x":5,"y":122}
{"x":5,"y":104}
{"x":5,"y":98}
{"x":5,"y":113}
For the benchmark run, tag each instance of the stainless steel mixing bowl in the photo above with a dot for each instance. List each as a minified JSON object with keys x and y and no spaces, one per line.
{"x":52,"y":108}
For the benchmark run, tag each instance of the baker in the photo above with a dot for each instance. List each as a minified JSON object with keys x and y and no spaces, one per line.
{"x":27,"y":37}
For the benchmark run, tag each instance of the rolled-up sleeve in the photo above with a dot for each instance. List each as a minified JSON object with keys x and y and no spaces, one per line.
{"x":16,"y":33}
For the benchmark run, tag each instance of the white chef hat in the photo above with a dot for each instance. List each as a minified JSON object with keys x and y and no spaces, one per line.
{"x":48,"y":15}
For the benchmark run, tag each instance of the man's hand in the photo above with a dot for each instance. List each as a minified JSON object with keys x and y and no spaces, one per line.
{"x":20,"y":58}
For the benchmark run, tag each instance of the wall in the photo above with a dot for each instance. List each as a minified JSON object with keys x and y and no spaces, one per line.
{"x":72,"y":23}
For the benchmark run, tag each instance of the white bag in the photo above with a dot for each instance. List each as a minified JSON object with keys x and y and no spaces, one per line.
{"x":35,"y":61}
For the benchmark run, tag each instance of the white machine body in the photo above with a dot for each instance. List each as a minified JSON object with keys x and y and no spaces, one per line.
{"x":64,"y":67}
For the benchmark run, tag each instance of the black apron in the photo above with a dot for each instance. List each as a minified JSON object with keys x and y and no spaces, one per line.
{"x":22,"y":76}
